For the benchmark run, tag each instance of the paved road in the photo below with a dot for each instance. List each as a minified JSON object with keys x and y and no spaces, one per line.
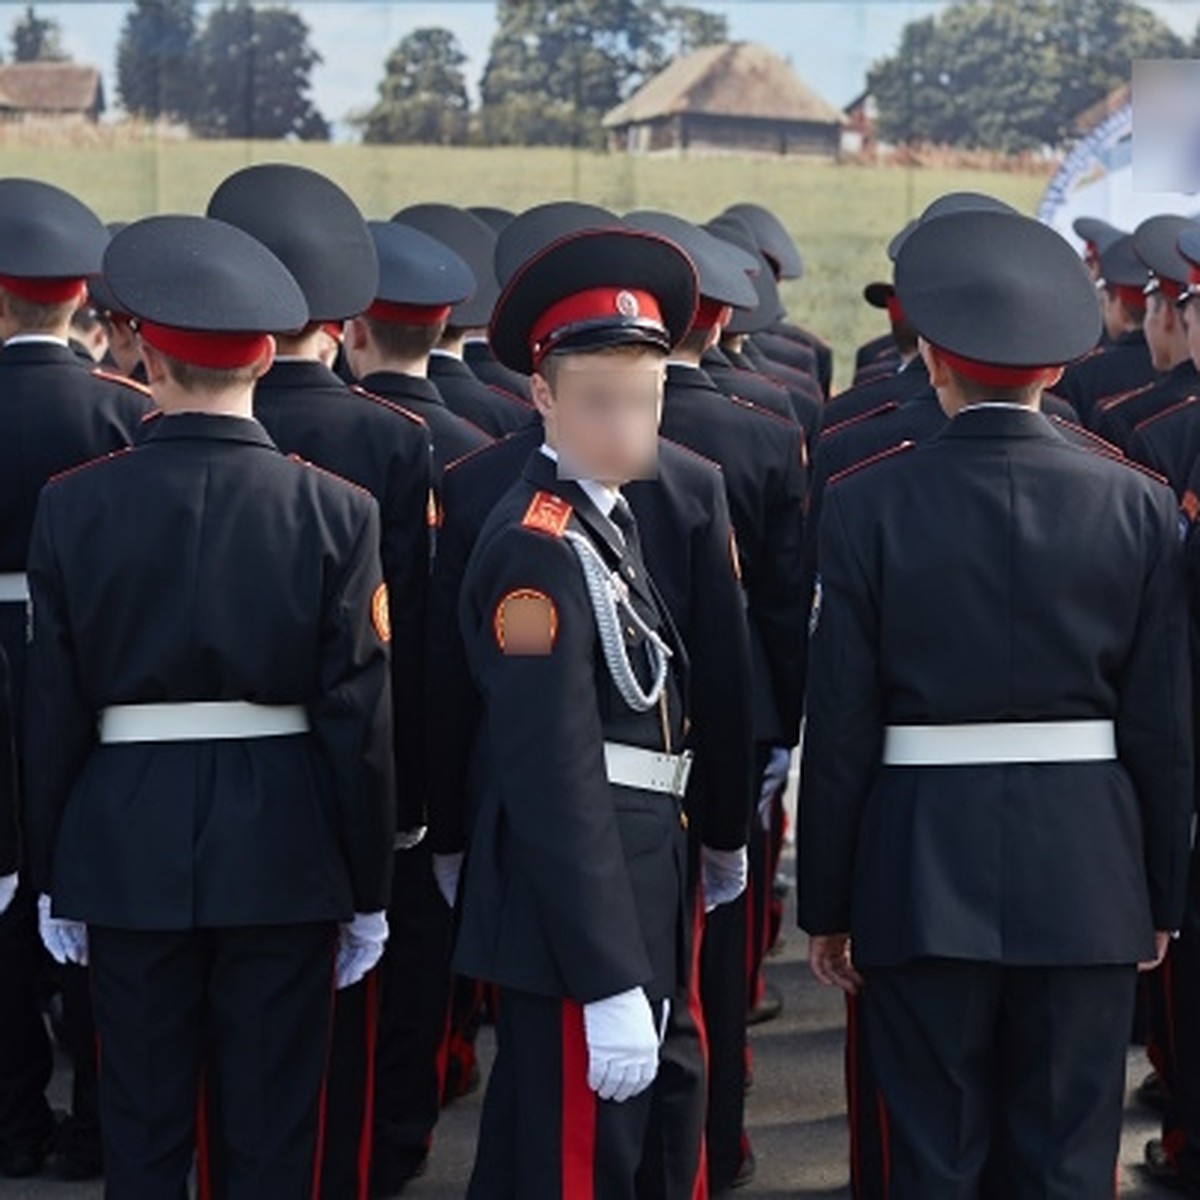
{"x":796,"y":1110}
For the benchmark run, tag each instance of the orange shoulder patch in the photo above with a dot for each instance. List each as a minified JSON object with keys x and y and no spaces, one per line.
{"x":526,"y":623}
{"x":1190,"y":504}
{"x":381,"y":616}
{"x":547,"y":513}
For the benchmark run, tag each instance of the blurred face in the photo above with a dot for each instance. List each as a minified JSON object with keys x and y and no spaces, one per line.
{"x":1165,"y":334}
{"x":602,"y":414}
{"x":1191,"y":322}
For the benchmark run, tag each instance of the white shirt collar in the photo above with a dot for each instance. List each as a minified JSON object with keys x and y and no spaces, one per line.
{"x":997,"y":404}
{"x":36,"y":339}
{"x":439,"y":353}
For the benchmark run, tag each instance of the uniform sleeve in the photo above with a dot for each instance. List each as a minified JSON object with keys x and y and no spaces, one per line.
{"x":844,"y":733}
{"x":1154,"y":736}
{"x":406,"y":552}
{"x":60,"y":723}
{"x":452,"y":703}
{"x":721,"y":684}
{"x":9,"y":841}
{"x":352,"y":718}
{"x":777,"y":600}
{"x":545,"y":741}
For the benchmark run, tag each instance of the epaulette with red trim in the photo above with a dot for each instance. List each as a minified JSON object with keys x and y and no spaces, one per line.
{"x":874,"y":459}
{"x":1099,"y":444}
{"x":690,"y":452}
{"x":878,"y":411}
{"x":505,"y":394}
{"x":116,"y":377}
{"x":1134,"y":465}
{"x":1166,"y":412}
{"x":152,"y":415}
{"x":472,"y":453}
{"x":100,"y":460}
{"x":547,"y":513}
{"x":312,"y":466}
{"x":1106,"y":403}
{"x":384,"y":402}
{"x":787,"y":422}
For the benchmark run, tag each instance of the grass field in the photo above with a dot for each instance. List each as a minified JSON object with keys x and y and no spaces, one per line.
{"x":841,"y":215}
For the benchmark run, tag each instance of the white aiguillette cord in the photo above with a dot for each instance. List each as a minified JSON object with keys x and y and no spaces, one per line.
{"x":607,"y":592}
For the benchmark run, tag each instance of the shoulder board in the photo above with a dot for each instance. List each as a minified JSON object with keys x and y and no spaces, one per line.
{"x":763,"y":411}
{"x":470,"y":454}
{"x":1134,"y":465}
{"x":511,"y":397}
{"x":312,"y":466}
{"x":391,"y":405}
{"x":92,"y":462}
{"x":878,"y":411}
{"x":854,"y":469}
{"x":152,"y":415}
{"x":124,"y":380}
{"x":1108,"y":402}
{"x":691,"y":453}
{"x":1141,"y":426}
{"x":1102,"y":445}
{"x":547,"y":513}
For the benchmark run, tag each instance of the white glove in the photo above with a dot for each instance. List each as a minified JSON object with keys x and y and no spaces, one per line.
{"x":66,"y":940}
{"x":360,"y":946}
{"x":446,"y":870}
{"x":724,"y":875}
{"x":775,"y":777}
{"x":622,"y":1045}
{"x":8,"y":889}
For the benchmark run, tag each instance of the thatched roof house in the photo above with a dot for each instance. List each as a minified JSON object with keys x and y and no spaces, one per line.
{"x":59,"y":90}
{"x":733,"y":97}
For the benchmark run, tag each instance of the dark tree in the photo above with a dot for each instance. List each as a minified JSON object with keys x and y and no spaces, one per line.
{"x":37,"y":39}
{"x":423,"y":95}
{"x":155,"y":67}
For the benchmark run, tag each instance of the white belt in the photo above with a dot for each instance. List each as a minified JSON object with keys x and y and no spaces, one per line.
{"x":200,"y":721}
{"x":650,"y":770}
{"x":14,"y":588}
{"x":1001,"y":742}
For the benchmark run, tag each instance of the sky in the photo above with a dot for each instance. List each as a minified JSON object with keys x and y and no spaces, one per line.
{"x":830,"y":43}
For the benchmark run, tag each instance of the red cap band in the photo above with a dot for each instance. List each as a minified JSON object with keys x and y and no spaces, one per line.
{"x":895,"y":310}
{"x":333,"y":329}
{"x":407,"y":314}
{"x":1171,"y":288}
{"x":591,"y":305}
{"x":222,"y":351}
{"x":993,"y":376}
{"x":1193,"y":273}
{"x":710,"y":314}
{"x":45,"y":291}
{"x":1131,"y":296}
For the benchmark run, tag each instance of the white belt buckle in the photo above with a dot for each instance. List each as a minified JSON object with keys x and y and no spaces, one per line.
{"x":683,"y":771}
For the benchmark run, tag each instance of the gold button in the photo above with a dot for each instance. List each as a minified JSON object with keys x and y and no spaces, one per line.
{"x":683,"y":819}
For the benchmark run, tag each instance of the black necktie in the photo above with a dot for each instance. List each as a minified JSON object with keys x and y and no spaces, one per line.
{"x":622,"y":517}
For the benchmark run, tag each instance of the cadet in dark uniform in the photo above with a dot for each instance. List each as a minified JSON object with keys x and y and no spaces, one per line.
{"x":388,"y":346}
{"x":574,"y":893}
{"x":1097,"y":235}
{"x":208,"y":751}
{"x":996,"y":786}
{"x":1123,"y":363}
{"x":786,"y":262}
{"x":881,"y":356}
{"x":762,"y":464}
{"x":56,"y":411}
{"x":1156,"y":242}
{"x":497,"y":410}
{"x":319,"y":234}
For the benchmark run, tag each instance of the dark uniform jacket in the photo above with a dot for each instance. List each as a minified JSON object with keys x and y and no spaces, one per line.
{"x":452,"y":437}
{"x":747,"y":385}
{"x":9,"y":838}
{"x":879,"y":354}
{"x":206,"y":566}
{"x":1111,"y":370}
{"x":309,"y":411}
{"x":687,"y":542}
{"x":1115,"y":420}
{"x":574,"y":886}
{"x":492,"y":409}
{"x":762,"y":462}
{"x":477,"y":354}
{"x":968,"y":598}
{"x":1169,"y":442}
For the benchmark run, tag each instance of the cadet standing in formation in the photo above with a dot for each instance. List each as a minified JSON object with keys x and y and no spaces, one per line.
{"x":510,"y":677}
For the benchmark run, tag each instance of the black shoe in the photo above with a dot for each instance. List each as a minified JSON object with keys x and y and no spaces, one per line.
{"x":1157,"y":1164}
{"x":78,"y":1155}
{"x":1152,"y":1093}
{"x":392,"y":1173}
{"x":768,"y":1008}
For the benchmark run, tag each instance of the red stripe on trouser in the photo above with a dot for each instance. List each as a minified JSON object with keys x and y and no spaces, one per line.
{"x":319,"y":1152}
{"x":578,"y":1109}
{"x":852,"y":1097}
{"x":696,"y":1012}
{"x":371,"y":1021}
{"x":885,"y":1143}
{"x":203,"y":1165}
